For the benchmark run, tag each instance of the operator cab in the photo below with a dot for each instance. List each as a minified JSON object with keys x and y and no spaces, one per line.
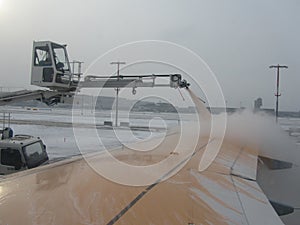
{"x":51,"y":66}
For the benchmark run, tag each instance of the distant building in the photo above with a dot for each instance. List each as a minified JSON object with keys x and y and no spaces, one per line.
{"x":257,"y":104}
{"x":257,"y":107}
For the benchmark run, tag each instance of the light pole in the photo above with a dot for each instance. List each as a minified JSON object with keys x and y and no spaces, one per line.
{"x":118,"y":63}
{"x":277,"y":87}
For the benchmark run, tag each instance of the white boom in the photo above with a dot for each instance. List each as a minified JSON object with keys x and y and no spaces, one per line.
{"x":52,"y":69}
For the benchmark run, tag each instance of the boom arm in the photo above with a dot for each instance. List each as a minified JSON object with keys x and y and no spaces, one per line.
{"x":133,"y":81}
{"x":51,"y":69}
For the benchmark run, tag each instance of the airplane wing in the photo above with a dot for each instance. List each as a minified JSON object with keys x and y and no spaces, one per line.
{"x":71,"y":192}
{"x":81,"y":191}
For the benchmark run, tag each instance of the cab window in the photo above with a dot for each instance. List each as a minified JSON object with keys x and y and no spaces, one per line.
{"x":60,"y":57}
{"x":34,"y":150}
{"x":35,"y":154}
{"x":10,"y":157}
{"x":42,"y":56}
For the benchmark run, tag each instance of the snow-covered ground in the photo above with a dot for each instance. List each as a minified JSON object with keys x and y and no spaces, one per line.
{"x":61,"y":141}
{"x":98,"y":117}
{"x":291,"y":124}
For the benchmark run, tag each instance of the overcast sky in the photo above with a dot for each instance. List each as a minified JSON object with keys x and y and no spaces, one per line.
{"x":238,"y":39}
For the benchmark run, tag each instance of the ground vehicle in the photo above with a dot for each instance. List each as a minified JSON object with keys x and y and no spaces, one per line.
{"x":52,"y":69}
{"x":21,"y":152}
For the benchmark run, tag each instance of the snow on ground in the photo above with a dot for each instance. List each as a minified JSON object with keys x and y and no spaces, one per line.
{"x":61,"y":141}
